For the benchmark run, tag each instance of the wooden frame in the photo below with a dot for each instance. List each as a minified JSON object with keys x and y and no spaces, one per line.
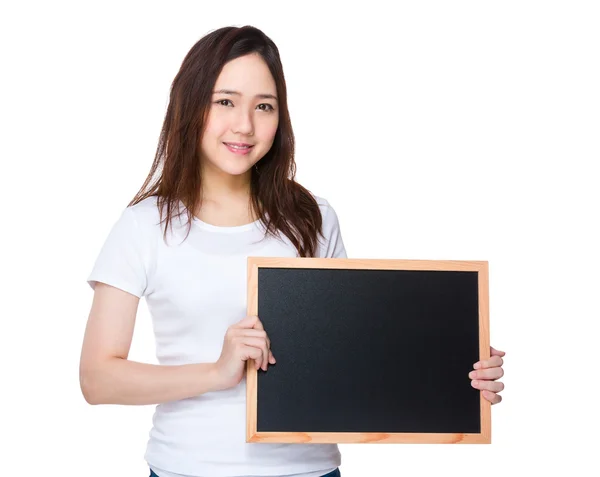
{"x":254,"y":263}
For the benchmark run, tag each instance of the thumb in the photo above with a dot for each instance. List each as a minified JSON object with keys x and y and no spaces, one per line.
{"x":495,"y":352}
{"x":248,"y":322}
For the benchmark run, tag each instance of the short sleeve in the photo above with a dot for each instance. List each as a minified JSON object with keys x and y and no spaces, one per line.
{"x":333,"y":246}
{"x":120,"y":262}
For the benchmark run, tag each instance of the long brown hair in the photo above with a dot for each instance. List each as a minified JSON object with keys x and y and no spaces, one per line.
{"x":277,"y":199}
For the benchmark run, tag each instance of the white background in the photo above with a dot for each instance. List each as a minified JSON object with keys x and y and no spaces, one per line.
{"x":437,"y":130}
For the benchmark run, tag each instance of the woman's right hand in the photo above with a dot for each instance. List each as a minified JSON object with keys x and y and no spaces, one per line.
{"x":244,"y":340}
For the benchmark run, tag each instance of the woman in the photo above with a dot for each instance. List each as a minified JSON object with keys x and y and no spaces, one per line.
{"x":225,"y":191}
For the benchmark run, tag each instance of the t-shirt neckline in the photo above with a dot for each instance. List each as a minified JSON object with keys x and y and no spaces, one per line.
{"x":224,"y":229}
{"x":220,"y":228}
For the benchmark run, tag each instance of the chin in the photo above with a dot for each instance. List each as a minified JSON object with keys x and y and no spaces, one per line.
{"x":235,"y":169}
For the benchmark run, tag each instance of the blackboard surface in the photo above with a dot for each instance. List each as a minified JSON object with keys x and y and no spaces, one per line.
{"x":369,"y":351}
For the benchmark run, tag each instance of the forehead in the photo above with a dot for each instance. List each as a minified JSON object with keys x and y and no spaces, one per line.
{"x":248,"y":74}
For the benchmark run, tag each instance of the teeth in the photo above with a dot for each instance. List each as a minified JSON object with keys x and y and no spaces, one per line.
{"x":238,"y":147}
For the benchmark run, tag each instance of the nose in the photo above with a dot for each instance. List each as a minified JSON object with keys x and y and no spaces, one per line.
{"x":243,"y":123}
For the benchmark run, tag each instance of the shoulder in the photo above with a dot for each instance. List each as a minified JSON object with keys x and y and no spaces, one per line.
{"x":322,"y":201}
{"x":150,"y":225}
{"x":145,"y":214}
{"x":145,"y":209}
{"x":141,"y":222}
{"x":327,"y":211}
{"x":332,"y":244}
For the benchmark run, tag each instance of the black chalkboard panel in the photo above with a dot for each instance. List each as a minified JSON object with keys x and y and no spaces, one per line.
{"x":368,"y":350}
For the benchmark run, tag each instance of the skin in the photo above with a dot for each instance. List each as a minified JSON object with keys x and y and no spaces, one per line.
{"x":485,"y":375}
{"x":249,"y":118}
{"x":244,"y":109}
{"x":107,"y":376}
{"x":246,"y":118}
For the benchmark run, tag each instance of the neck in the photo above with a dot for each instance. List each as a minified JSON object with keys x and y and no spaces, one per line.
{"x":218,"y":186}
{"x":223,"y":193}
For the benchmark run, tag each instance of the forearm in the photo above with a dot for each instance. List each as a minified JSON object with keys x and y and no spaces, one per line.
{"x":120,"y":381}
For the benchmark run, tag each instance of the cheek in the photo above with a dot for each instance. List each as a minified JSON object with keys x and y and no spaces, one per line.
{"x":216,"y":126}
{"x":268,"y":133}
{"x":210,"y":139}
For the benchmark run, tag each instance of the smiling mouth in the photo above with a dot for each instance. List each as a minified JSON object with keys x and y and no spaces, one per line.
{"x":237,"y":146}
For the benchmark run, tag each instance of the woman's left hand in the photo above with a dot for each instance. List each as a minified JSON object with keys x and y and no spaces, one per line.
{"x":485,"y":376}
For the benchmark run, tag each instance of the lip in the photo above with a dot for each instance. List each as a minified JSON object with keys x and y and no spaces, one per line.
{"x":241,"y":152}
{"x":237,"y":143}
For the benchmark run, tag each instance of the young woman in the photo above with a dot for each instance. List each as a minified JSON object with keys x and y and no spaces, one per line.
{"x":221,"y":188}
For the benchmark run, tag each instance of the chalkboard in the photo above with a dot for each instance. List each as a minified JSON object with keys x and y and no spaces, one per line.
{"x":369,"y":350}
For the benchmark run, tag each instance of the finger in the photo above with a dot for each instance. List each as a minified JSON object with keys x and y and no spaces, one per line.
{"x":248,"y":332}
{"x":272,"y":359}
{"x":493,"y":362}
{"x":248,"y":322}
{"x":496,"y":352}
{"x":251,"y":352}
{"x":267,"y":354}
{"x":260,"y":343}
{"x":264,"y":359}
{"x":492,"y":397}
{"x":490,"y":373}
{"x":258,"y":324}
{"x":266,"y":346}
{"x":493,"y":386}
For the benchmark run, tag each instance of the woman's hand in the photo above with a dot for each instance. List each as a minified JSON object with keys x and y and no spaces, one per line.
{"x":244,"y":340}
{"x":485,"y":375}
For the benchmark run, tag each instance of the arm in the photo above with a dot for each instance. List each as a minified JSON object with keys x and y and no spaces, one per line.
{"x":106,"y":376}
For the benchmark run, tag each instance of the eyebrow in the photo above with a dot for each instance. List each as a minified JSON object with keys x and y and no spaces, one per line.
{"x":262,"y":96}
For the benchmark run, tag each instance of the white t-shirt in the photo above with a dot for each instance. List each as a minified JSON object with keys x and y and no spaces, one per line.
{"x":195,"y":289}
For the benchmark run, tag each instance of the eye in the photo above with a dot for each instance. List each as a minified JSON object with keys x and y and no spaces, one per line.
{"x":268,"y":107}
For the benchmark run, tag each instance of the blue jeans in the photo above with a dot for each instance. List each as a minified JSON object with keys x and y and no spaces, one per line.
{"x":335,"y":473}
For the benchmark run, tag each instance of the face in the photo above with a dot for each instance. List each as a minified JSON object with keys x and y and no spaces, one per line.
{"x":243,"y":112}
